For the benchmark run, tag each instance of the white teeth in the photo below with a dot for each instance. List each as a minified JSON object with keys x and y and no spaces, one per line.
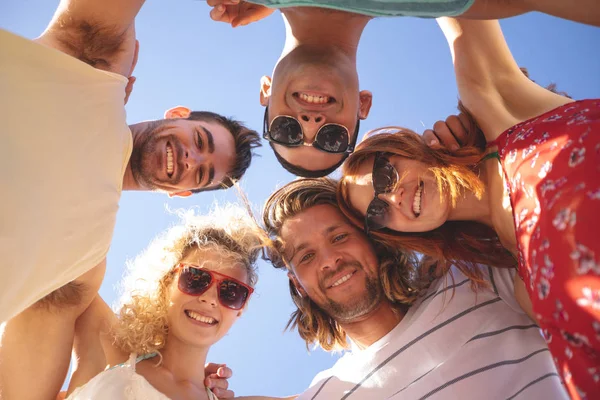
{"x":169,"y":160}
{"x":342,"y":279}
{"x":314,"y":99}
{"x":201,"y":318}
{"x":417,"y":200}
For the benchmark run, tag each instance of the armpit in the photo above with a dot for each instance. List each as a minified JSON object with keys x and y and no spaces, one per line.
{"x":94,"y":44}
{"x":70,"y":295}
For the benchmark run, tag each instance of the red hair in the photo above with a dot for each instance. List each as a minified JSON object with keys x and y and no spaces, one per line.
{"x":460,"y":243}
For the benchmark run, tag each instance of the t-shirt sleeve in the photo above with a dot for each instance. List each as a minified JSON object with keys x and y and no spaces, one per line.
{"x":316,"y":384}
{"x":502,"y":281}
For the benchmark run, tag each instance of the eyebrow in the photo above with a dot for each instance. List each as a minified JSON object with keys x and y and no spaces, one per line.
{"x":304,"y":245}
{"x":209,"y":139}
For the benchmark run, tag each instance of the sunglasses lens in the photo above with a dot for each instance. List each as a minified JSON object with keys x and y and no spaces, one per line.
{"x":376,"y":214}
{"x":332,"y":138}
{"x":232,"y":294}
{"x":194,"y":281}
{"x":385,"y":176}
{"x":286,"y":130}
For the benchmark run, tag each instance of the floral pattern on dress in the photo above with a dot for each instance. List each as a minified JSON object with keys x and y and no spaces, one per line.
{"x":555,"y":195}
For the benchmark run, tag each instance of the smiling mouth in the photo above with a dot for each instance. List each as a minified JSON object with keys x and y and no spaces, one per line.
{"x":170,"y":163}
{"x":313,"y":98}
{"x":200,"y":318}
{"x":418,"y":199}
{"x":342,"y":280}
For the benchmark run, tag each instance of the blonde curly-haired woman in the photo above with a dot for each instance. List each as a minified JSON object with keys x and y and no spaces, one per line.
{"x":182,"y":295}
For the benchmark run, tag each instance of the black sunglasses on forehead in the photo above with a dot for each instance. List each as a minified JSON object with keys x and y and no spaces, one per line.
{"x":385,"y":177}
{"x":330,"y":138}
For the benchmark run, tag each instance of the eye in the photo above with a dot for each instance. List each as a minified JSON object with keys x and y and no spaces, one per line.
{"x":306,"y":257}
{"x":340,"y":237}
{"x":199,"y":139}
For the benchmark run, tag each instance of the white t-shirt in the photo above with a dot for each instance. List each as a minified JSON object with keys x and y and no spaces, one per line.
{"x":121,"y":383}
{"x":463,"y":346}
{"x":64,"y":148}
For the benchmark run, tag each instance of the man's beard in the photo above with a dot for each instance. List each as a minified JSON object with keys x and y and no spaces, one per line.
{"x":142,"y":160}
{"x":360,"y":305}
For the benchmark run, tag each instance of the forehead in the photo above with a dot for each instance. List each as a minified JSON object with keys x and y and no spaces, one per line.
{"x":312,"y":224}
{"x":216,"y":260}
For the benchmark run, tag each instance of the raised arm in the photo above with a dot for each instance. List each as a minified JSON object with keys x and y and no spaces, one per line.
{"x":35,"y":346}
{"x":93,"y":347}
{"x":100,"y":33}
{"x":584,"y":11}
{"x":490,"y":83}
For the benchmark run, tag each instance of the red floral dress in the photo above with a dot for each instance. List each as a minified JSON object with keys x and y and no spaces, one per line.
{"x":552,"y":165}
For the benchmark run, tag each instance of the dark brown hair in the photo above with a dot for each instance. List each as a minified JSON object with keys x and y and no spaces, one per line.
{"x":245,"y":141}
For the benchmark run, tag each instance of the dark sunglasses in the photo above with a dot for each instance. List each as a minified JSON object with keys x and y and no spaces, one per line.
{"x":330,"y":138}
{"x":195,"y":281}
{"x":385,"y":178}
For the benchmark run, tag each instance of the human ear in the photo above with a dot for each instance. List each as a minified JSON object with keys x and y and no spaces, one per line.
{"x":177,"y":112}
{"x":265,"y":90}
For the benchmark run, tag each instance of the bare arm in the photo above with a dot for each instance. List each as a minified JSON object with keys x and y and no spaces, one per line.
{"x":98,"y":32}
{"x":584,"y":11}
{"x":37,"y":343}
{"x":490,"y":83}
{"x":93,"y":348}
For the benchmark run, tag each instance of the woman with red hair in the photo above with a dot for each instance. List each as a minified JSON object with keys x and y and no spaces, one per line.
{"x":530,"y":198}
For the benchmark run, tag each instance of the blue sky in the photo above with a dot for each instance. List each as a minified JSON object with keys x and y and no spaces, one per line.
{"x":187,"y":59}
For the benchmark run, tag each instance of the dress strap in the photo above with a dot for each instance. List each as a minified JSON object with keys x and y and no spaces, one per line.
{"x":493,"y":154}
{"x":211,"y":395}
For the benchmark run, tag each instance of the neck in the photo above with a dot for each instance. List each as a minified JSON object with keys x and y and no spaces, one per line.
{"x":470,"y":208}
{"x":184,"y":362}
{"x":372,"y":327}
{"x":129,"y":182}
{"x":321,"y":28}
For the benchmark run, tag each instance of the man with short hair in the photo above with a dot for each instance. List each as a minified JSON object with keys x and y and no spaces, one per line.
{"x":70,"y":151}
{"x":313,"y":102}
{"x":67,"y":153}
{"x":415,"y":332}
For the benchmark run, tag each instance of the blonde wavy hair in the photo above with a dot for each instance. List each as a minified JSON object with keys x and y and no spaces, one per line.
{"x":401,"y":279}
{"x":142,"y":317}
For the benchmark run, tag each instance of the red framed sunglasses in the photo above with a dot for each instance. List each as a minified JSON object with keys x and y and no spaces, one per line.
{"x":195,"y":281}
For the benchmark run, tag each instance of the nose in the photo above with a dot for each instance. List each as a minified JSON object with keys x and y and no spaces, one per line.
{"x":210,"y":297}
{"x":394,"y":198}
{"x":193,"y":159}
{"x":311,"y":122}
{"x":331,"y":257}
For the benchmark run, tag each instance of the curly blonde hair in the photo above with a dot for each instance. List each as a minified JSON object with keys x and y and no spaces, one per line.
{"x":142,"y":318}
{"x":401,"y":279}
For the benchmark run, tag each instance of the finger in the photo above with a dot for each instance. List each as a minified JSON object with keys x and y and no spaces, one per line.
{"x":212,"y":368}
{"x":466,"y":121}
{"x":251,"y":13}
{"x":224,"y":372}
{"x":224,"y":393}
{"x":214,"y":382}
{"x":446,"y":138}
{"x":457,"y":129}
{"x":430,"y":139}
{"x":214,"y":3}
{"x":218,"y":14}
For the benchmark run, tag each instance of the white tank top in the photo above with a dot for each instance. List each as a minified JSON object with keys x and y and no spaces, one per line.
{"x":64,"y":147}
{"x":122,"y":383}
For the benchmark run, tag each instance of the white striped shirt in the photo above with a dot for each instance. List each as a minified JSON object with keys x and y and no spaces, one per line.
{"x":461,"y":345}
